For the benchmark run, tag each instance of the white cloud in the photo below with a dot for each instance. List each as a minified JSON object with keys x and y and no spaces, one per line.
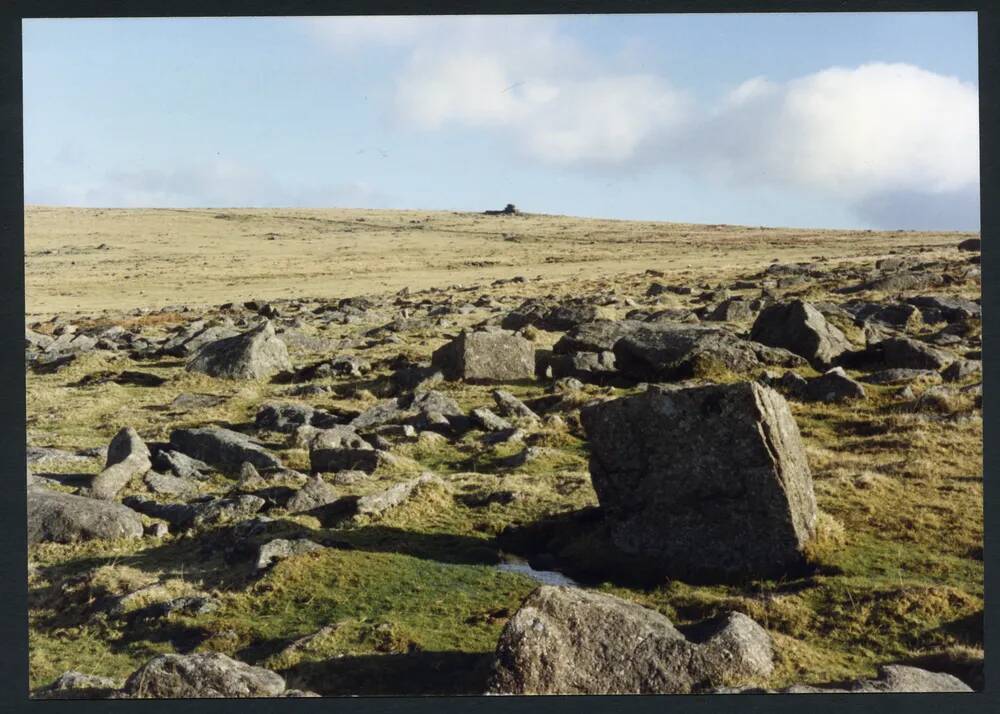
{"x":538,"y":88}
{"x":848,"y":132}
{"x":218,"y":183}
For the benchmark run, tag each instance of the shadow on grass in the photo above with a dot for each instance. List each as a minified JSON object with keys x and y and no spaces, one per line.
{"x":72,"y":480}
{"x":414,"y":674}
{"x":223,"y":559}
{"x":578,"y":544}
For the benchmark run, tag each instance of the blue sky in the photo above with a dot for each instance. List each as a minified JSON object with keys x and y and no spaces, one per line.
{"x":827,"y":120}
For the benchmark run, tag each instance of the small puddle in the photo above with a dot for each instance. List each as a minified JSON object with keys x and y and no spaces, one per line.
{"x":513,"y":564}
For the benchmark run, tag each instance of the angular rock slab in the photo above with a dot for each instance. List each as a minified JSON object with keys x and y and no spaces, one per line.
{"x":128,"y":456}
{"x":668,"y":351}
{"x":256,"y":354}
{"x":800,"y":328}
{"x":565,"y":640}
{"x":64,"y":518}
{"x":708,"y":481}
{"x":495,"y":356}
{"x":212,"y":675}
{"x":222,"y":448}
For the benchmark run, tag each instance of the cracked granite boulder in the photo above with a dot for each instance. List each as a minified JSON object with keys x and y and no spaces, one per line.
{"x":710,"y":482}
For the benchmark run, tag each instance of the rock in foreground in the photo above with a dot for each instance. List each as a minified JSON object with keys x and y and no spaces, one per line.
{"x":891,"y":678}
{"x":222,"y":448}
{"x":708,"y":481}
{"x":64,"y":518}
{"x":128,"y":456}
{"x":569,"y":641}
{"x":257,"y":354}
{"x":201,"y":675}
{"x":801,"y":328}
{"x":495,"y":356}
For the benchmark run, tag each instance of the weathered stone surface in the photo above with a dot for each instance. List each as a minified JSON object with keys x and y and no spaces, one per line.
{"x":211,"y":511}
{"x":281,"y":548}
{"x":962,"y":369}
{"x":170,"y":485}
{"x":77,"y":685}
{"x":339,"y":449}
{"x":664,"y":351}
{"x":65,"y":518}
{"x":834,"y":386}
{"x":187,"y":401}
{"x":316,"y":492}
{"x":902,"y":316}
{"x":732,"y":310}
{"x":938,"y":308}
{"x":495,"y":356}
{"x":36,"y":339}
{"x":711,"y":480}
{"x":511,"y":406}
{"x":799,"y":327}
{"x":900,"y":375}
{"x":891,"y":678}
{"x":488,"y":421}
{"x":257,"y":354}
{"x":224,"y":449}
{"x":196,"y":336}
{"x":378,"y":503}
{"x":213,"y":674}
{"x":596,"y":336}
{"x":570,"y":641}
{"x":589,"y":366}
{"x":910,"y":354}
{"x":546,"y":316}
{"x":286,"y":418}
{"x":127,"y":457}
{"x":900,"y":678}
{"x":180,"y":465}
{"x":38,"y":455}
{"x":898,"y":282}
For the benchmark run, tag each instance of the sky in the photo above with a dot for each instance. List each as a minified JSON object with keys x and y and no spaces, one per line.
{"x":852,"y":120}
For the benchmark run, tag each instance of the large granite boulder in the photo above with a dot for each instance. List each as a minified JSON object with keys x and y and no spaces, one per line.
{"x":666,"y":351}
{"x":565,"y":640}
{"x":908,"y":353}
{"x":256,"y":354}
{"x":64,"y":518}
{"x":799,"y":327}
{"x":709,"y":481}
{"x":221,"y":448}
{"x":487,"y":356}
{"x":212,"y":674}
{"x":597,"y":336}
{"x":128,"y":456}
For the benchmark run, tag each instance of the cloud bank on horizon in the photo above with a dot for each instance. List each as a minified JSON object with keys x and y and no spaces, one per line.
{"x":896,"y":144}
